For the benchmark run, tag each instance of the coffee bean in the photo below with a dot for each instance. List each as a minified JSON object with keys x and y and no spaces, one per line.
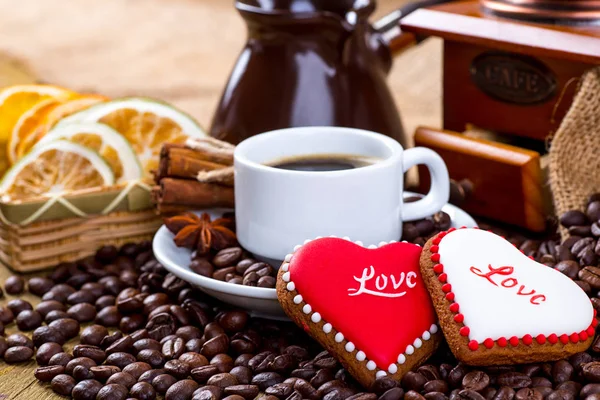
{"x":163,"y":382}
{"x":103,"y":372}
{"x":203,"y":373}
{"x":143,"y":391}
{"x":18,"y":339}
{"x":120,"y":359}
{"x":173,"y":348}
{"x":569,"y":268}
{"x":60,"y":359}
{"x":265,"y":379}
{"x":280,"y":390}
{"x":227,"y":257}
{"x":54,"y":315}
{"x":79,"y":361}
{"x":436,"y":385}
{"x":476,"y":380}
{"x":202,"y":266}
{"x":112,"y":392}
{"x":46,"y":351}
{"x":515,"y":380}
{"x":93,"y":335}
{"x":152,"y":357}
{"x":14,"y":284}
{"x":591,"y":275}
{"x":181,"y":390}
{"x":194,"y":360}
{"x":591,"y":371}
{"x":146,"y":344}
{"x":67,"y":326}
{"x":82,"y":312}
{"x":81,"y":373}
{"x":18,"y":305}
{"x":123,"y":344}
{"x":220,"y":274}
{"x":194,"y":345}
{"x":573,"y":217}
{"x":86,"y":390}
{"x":47,"y":373}
{"x":45,"y":334}
{"x":266,"y":282}
{"x":528,"y":394}
{"x":233,"y":321}
{"x":39,"y":286}
{"x":6,"y":315}
{"x":223,"y":362}
{"x":413,"y":395}
{"x":179,"y":369}
{"x":148,"y":376}
{"x":161,"y":325}
{"x":122,"y":378}
{"x":562,"y":371}
{"x":413,"y":381}
{"x":110,"y":339}
{"x":247,"y":392}
{"x":63,"y":384}
{"x":89,"y":351}
{"x":108,"y":316}
{"x":216,"y":345}
{"x":17,"y":354}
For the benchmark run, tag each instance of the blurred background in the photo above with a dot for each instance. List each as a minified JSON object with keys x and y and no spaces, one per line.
{"x":180,"y":51}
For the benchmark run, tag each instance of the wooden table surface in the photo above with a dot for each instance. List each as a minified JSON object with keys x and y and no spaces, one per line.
{"x":180,"y":51}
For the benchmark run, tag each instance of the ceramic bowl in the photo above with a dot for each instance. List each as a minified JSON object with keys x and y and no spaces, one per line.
{"x":259,"y":302}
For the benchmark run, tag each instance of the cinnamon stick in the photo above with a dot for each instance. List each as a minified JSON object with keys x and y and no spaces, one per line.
{"x":191,"y":193}
{"x":178,"y":161}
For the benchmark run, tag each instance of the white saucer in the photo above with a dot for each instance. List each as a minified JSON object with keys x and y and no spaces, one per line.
{"x":260,"y":302}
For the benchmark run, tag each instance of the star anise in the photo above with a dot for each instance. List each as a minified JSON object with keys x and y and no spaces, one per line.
{"x":200,"y":233}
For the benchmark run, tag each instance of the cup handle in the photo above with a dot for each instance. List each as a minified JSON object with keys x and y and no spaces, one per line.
{"x":439,"y":193}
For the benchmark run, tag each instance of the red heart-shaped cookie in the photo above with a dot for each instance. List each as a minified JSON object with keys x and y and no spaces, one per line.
{"x":368,"y":306}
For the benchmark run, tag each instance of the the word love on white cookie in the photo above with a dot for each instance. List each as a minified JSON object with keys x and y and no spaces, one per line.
{"x":502,"y":299}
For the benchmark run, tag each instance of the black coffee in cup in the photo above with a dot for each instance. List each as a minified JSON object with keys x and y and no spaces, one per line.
{"x":323,"y":162}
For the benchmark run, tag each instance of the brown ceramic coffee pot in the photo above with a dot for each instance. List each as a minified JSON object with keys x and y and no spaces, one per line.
{"x":313,"y":62}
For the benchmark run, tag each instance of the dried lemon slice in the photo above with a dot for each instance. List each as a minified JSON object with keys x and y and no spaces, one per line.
{"x":147,"y":124}
{"x":55,"y":168}
{"x":107,"y":142}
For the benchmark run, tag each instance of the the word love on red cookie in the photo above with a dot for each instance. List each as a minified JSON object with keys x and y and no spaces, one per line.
{"x":497,"y":305}
{"x":368,"y":306}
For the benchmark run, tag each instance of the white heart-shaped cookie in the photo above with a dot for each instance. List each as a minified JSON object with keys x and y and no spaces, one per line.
{"x":499,"y":299}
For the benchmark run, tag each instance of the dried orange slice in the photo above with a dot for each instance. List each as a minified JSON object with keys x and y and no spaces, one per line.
{"x":111,"y":145}
{"x":50,"y":116}
{"x":147,"y":124}
{"x":16,"y":100}
{"x":55,"y":168}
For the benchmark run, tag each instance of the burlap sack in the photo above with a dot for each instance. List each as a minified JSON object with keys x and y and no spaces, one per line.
{"x":575,"y":149}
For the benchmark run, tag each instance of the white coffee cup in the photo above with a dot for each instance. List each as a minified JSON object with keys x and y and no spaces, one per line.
{"x":277,"y":209}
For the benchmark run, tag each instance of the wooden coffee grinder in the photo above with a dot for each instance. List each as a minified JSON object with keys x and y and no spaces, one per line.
{"x":509,"y":76}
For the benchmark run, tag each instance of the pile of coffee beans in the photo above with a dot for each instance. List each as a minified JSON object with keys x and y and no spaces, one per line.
{"x":140,"y":332}
{"x":233,"y":265}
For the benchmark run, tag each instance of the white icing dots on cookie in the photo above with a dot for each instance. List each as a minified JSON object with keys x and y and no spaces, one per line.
{"x":288,"y":258}
{"x":426,"y":335}
{"x":346,"y":238}
{"x":409,"y":350}
{"x":381,"y":244}
{"x":316,"y":317}
{"x":401,"y":359}
{"x":298,"y":299}
{"x":350,"y":347}
{"x":291,"y":286}
{"x":297,"y":247}
{"x":358,"y":242}
{"x":285,"y":267}
{"x":307,"y":309}
{"x":372,"y":247}
{"x":371,"y":366}
{"x":418,"y":343}
{"x":361,"y":356}
{"x":286,"y":277}
{"x":392,"y":369}
{"x":433,"y":328}
{"x":380,"y":374}
{"x":327,"y":328}
{"x":339,"y":337}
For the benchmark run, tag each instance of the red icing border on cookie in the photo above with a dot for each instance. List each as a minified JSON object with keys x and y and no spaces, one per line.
{"x":514,"y":341}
